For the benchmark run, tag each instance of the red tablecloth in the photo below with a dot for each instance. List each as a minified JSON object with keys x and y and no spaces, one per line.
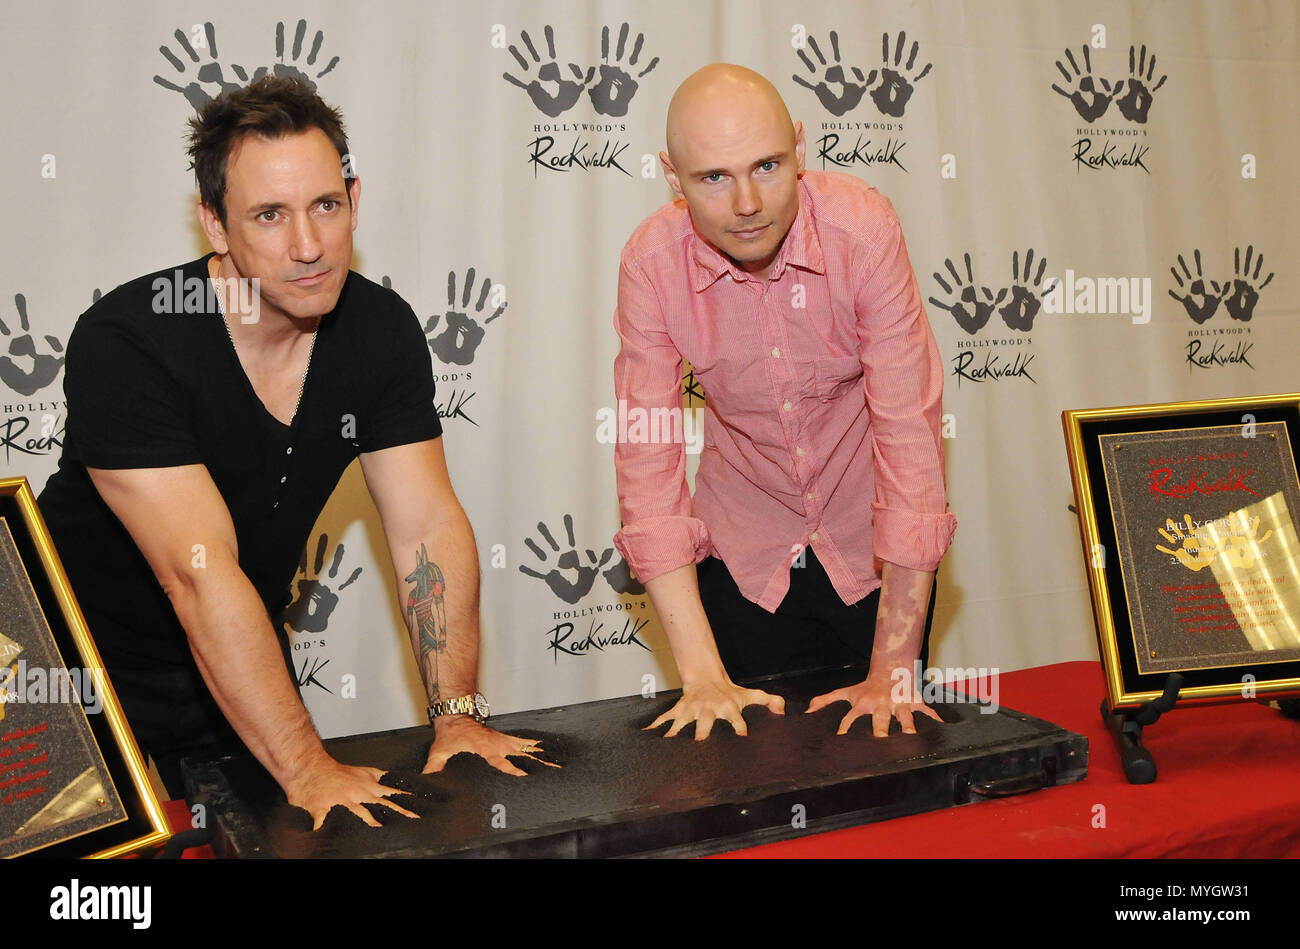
{"x":1226,"y":788}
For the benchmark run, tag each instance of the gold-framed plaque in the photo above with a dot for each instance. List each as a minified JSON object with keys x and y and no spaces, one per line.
{"x":72,"y":780}
{"x":1189,"y":513}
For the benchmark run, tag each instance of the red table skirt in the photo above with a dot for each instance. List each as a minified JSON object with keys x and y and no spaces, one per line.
{"x":1226,"y":787}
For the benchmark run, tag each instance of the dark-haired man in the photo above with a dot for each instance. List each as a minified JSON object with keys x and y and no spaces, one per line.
{"x":202,"y":445}
{"x":819,"y":515}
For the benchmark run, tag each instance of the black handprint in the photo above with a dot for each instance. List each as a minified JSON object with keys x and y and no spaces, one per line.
{"x":457,"y":343}
{"x":1200,"y":306}
{"x":1135,"y":103}
{"x":1240,"y":304}
{"x":209,"y":74}
{"x":566,"y":91}
{"x":969,"y":311}
{"x":315,"y":601}
{"x":1090,"y":103}
{"x":1025,"y":302}
{"x":292,"y":68}
{"x":44,"y":366}
{"x":895,"y":89}
{"x":584,"y":575}
{"x":849,"y":94}
{"x":613,"y":93}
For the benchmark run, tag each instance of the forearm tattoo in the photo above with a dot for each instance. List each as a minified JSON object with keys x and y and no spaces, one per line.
{"x":424,"y":606}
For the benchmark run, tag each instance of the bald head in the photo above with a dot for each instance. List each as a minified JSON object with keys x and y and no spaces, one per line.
{"x":735,"y":158}
{"x":721,"y":97}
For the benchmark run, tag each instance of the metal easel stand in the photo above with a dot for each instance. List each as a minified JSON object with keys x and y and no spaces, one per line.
{"x":1127,"y":724}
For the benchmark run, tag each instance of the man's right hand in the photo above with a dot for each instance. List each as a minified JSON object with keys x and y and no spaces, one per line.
{"x":320,"y":789}
{"x":704,"y":704}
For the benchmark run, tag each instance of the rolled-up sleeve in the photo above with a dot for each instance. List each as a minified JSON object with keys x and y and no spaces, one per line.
{"x":903,"y":375}
{"x":660,"y":532}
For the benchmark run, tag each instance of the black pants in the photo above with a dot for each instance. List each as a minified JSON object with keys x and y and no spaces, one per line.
{"x":173,"y":716}
{"x":811,"y":629}
{"x":167,"y":704}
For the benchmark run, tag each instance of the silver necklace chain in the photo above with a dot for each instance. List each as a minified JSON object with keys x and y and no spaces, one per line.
{"x":302,"y":383}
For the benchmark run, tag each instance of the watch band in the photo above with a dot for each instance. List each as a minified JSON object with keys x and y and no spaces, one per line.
{"x":461,"y":706}
{"x":474,"y":705}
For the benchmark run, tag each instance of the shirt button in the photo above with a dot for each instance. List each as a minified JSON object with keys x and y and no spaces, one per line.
{"x":730,"y":277}
{"x":812,"y":537}
{"x":808,"y":496}
{"x":286,"y":477}
{"x":788,"y":405}
{"x":289,"y":450}
{"x":800,"y":452}
{"x":276,"y":504}
{"x":776,"y":352}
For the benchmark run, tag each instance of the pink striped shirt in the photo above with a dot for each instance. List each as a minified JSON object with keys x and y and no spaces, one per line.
{"x":824,"y":389}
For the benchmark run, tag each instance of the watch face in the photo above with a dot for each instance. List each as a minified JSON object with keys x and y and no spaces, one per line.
{"x":481,"y":705}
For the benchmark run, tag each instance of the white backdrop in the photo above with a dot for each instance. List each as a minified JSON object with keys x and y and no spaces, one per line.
{"x":982,"y":153}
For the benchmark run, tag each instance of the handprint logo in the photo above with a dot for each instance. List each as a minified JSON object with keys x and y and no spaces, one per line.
{"x":1136,"y":102}
{"x":563,"y":93}
{"x":895,"y":88}
{"x":25,"y":378}
{"x":846,"y":97}
{"x":1190,"y":548}
{"x":1081,"y":89}
{"x":298,"y":67}
{"x":970,"y":312}
{"x":569,"y":579}
{"x":613,"y":93}
{"x":207,"y":81}
{"x":314,"y":599}
{"x":461,"y":334}
{"x":1240,"y":304}
{"x":1200,"y":306}
{"x":1025,"y":301}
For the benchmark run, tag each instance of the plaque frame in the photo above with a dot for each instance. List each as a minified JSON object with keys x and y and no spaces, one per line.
{"x":145,"y":828}
{"x":1125,"y":686}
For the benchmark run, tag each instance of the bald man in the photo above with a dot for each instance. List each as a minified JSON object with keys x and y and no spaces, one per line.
{"x":819,"y":514}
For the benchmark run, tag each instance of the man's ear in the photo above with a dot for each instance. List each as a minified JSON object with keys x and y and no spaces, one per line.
{"x":799,"y":145}
{"x":213,"y":227}
{"x":670,"y":175}
{"x":354,"y":198}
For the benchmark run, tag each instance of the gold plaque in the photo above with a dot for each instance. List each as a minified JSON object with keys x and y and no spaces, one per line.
{"x":1188,"y":513}
{"x":72,"y":781}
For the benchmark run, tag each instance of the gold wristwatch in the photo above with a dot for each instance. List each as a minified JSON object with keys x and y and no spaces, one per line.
{"x":475,"y":706}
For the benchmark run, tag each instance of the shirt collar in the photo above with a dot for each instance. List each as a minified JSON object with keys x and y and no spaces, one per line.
{"x":799,"y":249}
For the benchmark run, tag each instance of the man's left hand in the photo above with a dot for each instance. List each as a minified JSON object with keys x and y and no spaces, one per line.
{"x":875,"y":697}
{"x":458,"y":733}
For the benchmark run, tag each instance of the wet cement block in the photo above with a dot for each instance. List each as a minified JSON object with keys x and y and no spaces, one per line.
{"x":623,"y":791}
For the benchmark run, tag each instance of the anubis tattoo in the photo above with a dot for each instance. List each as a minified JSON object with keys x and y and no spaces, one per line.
{"x":424,"y":604}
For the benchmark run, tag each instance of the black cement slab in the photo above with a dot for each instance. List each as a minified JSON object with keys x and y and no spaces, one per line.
{"x":627,"y":792}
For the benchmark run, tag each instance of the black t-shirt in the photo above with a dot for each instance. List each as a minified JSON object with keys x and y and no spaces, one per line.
{"x":148,"y":389}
